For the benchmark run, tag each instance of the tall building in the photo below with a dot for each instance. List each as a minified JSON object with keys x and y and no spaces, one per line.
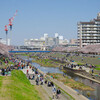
{"x":89,"y":32}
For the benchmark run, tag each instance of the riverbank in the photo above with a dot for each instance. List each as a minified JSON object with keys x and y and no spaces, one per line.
{"x":51,"y":63}
{"x":92,"y":93}
{"x":85,"y":81}
{"x":67,"y":81}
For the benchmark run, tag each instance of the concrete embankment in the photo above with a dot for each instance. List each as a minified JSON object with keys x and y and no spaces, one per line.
{"x":87,"y":78}
{"x":67,"y":89}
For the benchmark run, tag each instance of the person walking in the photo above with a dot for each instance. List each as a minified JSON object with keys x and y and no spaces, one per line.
{"x":92,"y":70}
{"x":33,"y":77}
{"x":58,"y":92}
{"x":27,"y":71}
{"x":37,"y":81}
{"x":54,"y":92}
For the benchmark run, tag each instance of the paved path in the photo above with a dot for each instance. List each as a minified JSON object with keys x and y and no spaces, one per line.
{"x":47,"y":89}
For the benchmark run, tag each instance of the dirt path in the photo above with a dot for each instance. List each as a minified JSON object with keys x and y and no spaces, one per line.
{"x":42,"y":93}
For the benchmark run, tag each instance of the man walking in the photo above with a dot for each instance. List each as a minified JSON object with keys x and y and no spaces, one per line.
{"x":54,"y":92}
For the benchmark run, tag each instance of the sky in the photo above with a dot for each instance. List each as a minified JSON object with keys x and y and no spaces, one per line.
{"x":36,"y":17}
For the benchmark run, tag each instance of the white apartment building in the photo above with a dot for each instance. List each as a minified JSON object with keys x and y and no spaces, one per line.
{"x":89,"y":32}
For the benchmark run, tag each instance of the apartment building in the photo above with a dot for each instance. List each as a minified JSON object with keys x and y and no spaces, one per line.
{"x":89,"y":32}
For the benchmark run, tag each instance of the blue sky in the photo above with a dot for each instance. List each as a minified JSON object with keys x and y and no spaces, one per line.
{"x":36,"y":17}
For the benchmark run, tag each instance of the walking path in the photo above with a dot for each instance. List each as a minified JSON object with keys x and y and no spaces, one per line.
{"x":47,"y":89}
{"x":67,"y":89}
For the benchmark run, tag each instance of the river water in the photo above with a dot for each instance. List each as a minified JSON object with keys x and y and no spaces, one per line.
{"x":91,"y":95}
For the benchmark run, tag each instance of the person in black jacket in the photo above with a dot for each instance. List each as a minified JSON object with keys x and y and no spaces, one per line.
{"x":58,"y":92}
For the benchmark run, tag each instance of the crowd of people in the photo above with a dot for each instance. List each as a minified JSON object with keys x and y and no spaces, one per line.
{"x":8,"y":64}
{"x":41,"y":79}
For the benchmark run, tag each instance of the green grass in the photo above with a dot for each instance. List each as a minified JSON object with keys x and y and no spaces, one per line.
{"x":1,"y":77}
{"x":18,"y":87}
{"x":80,"y":63}
{"x":24,"y":90}
{"x":19,"y":53}
{"x":97,"y":67}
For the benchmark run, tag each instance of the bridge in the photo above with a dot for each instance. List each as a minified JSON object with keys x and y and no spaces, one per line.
{"x":26,"y":51}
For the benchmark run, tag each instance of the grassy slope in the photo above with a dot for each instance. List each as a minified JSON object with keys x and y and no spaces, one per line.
{"x":1,"y":77}
{"x":18,"y":87}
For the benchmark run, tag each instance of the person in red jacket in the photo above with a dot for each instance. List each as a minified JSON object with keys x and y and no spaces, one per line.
{"x":27,"y":71}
